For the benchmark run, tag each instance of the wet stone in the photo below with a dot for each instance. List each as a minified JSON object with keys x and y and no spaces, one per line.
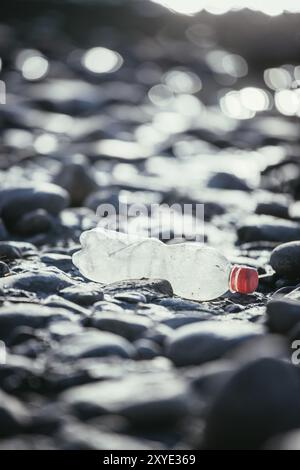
{"x":158,"y":399}
{"x":30,"y":315}
{"x":228,"y":181}
{"x":285,"y":260}
{"x":34,"y":222}
{"x":63,"y":262}
{"x":259,"y":401}
{"x":93,"y":343}
{"x":146,"y":349}
{"x":283,"y":315}
{"x":130,"y":326}
{"x":151,"y":289}
{"x":42,"y":282}
{"x":15,"y":202}
{"x":206,"y":341}
{"x":83,"y":294}
{"x":12,"y":250}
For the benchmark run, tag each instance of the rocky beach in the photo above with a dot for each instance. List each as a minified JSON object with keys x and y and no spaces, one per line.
{"x":148,"y":114}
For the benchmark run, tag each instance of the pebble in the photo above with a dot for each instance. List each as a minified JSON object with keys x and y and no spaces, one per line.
{"x":12,"y":250}
{"x":275,"y":209}
{"x":131,"y":326}
{"x":222,"y":180}
{"x":92,"y":343}
{"x":146,"y":349}
{"x":18,"y":201}
{"x":42,"y":282}
{"x":285,"y":260}
{"x":283,"y":315}
{"x":30,"y":315}
{"x":33,"y":223}
{"x":207,"y":341}
{"x":157,"y":399}
{"x":61,"y":261}
{"x":260,"y":401}
{"x":151,"y":289}
{"x":83,"y":294}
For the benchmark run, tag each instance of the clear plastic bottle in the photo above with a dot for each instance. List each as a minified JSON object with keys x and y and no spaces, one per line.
{"x":195,"y":271}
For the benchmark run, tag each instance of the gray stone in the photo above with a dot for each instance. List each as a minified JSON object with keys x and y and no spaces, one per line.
{"x":260,"y":401}
{"x":130,"y":326}
{"x":148,"y":399}
{"x":285,"y":260}
{"x":31,"y":315}
{"x":283,"y":315}
{"x":15,"y":202}
{"x":92,"y":343}
{"x":206,"y":341}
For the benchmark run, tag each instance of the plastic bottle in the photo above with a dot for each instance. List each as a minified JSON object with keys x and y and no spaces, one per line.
{"x":195,"y":271}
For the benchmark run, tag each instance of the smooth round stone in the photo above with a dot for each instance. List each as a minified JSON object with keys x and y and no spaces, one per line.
{"x":285,"y":260}
{"x":17,"y":201}
{"x":29,"y":315}
{"x":146,"y":349}
{"x":131,"y":326}
{"x":145,"y":399}
{"x":283,"y":315}
{"x":35,"y":222}
{"x":11,"y":250}
{"x":43,"y":282}
{"x":83,"y":294}
{"x":4,"y":269}
{"x":63,"y":262}
{"x":260,"y":401}
{"x":206,"y":341}
{"x":92,"y":343}
{"x":224,"y":180}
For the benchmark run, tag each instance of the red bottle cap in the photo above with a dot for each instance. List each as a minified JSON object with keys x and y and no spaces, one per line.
{"x":243,"y":279}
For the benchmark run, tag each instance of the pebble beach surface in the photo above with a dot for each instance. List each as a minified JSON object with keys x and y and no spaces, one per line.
{"x":130,"y":365}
